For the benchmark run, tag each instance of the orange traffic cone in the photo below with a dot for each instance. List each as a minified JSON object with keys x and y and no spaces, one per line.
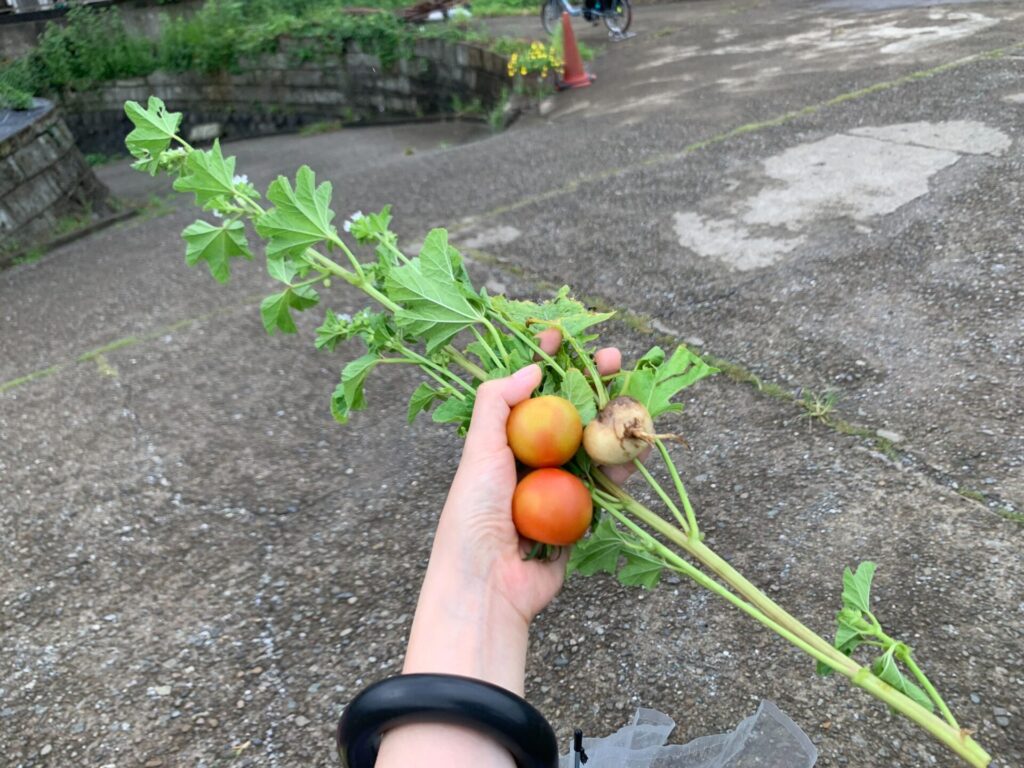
{"x":573,"y":74}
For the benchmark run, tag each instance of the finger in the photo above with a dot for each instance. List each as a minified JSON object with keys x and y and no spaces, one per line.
{"x":550,"y":340}
{"x":494,"y":400}
{"x":620,"y":473}
{"x":608,"y":360}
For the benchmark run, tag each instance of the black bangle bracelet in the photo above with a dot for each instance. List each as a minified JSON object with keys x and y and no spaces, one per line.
{"x":490,"y":709}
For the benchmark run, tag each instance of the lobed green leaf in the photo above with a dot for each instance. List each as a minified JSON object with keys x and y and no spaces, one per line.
{"x":454,"y":410}
{"x":155,"y":127}
{"x":209,"y":175}
{"x":600,"y":551}
{"x":577,"y":391}
{"x":216,"y":246}
{"x":642,"y":569}
{"x":561,"y":312}
{"x":422,"y":399}
{"x":353,"y":377}
{"x":372,"y":227}
{"x":655,"y":380}
{"x":334,"y":329}
{"x":275,"y":310}
{"x":434,"y":293}
{"x":857,"y":587}
{"x":301,"y":217}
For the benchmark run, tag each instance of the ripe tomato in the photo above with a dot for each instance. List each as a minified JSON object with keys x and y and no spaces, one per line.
{"x":544,"y":431}
{"x":551,"y":506}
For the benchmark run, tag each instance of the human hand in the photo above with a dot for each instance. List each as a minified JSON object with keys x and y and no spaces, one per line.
{"x":477,"y":518}
{"x":479,"y":594}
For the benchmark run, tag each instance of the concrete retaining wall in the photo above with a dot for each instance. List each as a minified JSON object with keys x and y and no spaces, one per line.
{"x":44,"y":180}
{"x":278,"y":93}
{"x":20,"y":32}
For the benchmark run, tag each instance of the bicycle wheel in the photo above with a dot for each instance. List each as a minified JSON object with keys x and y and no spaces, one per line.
{"x":550,"y":16}
{"x":618,"y":17}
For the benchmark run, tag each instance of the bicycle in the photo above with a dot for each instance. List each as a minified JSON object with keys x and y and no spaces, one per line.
{"x":616,"y":14}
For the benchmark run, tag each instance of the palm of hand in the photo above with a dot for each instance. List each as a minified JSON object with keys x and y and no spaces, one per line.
{"x":482,"y":491}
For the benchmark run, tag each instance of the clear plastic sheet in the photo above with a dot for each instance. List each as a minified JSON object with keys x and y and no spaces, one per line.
{"x":766,"y":739}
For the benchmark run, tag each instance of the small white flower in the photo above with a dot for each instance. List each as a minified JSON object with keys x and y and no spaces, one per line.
{"x":347,"y":226}
{"x":217,"y":214}
{"x":240,"y":178}
{"x":344,"y":316}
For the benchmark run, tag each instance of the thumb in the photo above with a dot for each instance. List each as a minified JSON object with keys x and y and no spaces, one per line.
{"x":494,"y":401}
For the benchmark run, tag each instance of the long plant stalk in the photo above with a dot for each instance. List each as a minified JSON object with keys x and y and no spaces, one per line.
{"x":776,"y":618}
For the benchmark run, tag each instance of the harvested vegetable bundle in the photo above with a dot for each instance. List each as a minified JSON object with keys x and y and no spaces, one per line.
{"x":426,"y":306}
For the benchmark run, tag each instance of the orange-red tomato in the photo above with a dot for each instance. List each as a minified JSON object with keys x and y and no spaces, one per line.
{"x":544,"y":431}
{"x":552,"y":506}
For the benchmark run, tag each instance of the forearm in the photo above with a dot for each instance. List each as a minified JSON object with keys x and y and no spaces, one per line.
{"x":462,"y":626}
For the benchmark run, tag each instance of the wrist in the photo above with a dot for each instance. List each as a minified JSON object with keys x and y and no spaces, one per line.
{"x":464,"y":626}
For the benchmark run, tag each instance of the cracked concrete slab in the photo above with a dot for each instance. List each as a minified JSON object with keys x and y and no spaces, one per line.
{"x":867,"y":173}
{"x":201,"y":568}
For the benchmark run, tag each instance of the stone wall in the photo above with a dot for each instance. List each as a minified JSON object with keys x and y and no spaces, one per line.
{"x":44,"y":180}
{"x":19,"y":32}
{"x":279,"y":93}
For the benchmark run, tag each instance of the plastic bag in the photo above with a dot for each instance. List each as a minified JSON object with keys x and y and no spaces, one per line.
{"x":766,"y":739}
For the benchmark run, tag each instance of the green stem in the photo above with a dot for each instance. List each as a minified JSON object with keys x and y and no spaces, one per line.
{"x":680,"y":489}
{"x":445,"y":384}
{"x":955,"y":739}
{"x":588,"y":363}
{"x":484,"y":344}
{"x":467,"y":365}
{"x":497,"y":340}
{"x":390,"y":245}
{"x":904,"y":655}
{"x":429,"y":365}
{"x":534,"y":346}
{"x":338,"y":243}
{"x":678,"y":564}
{"x":184,"y":144}
{"x":304,"y":283}
{"x":651,"y":481}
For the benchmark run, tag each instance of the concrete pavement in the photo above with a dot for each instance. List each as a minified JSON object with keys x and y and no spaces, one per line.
{"x":202,"y":568}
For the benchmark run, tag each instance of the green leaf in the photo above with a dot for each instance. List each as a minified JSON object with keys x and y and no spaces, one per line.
{"x":283,"y":270}
{"x":372,"y":227}
{"x":335,"y":328}
{"x":353,"y":376}
{"x":857,"y":587}
{"x":885,"y":667}
{"x":155,"y":127}
{"x":569,"y":314}
{"x":422,"y":398}
{"x":208,"y":174}
{"x":600,"y":551}
{"x":851,"y":632}
{"x":216,"y":246}
{"x":848,"y":638}
{"x":655,"y":384}
{"x":654,"y":357}
{"x":437,"y":301}
{"x":642,"y":569}
{"x":275,"y":309}
{"x":301,"y":218}
{"x":577,"y":391}
{"x":454,"y":410}
{"x":339,"y":405}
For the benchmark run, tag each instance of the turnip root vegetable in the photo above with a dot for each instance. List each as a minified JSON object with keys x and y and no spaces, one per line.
{"x":620,"y":432}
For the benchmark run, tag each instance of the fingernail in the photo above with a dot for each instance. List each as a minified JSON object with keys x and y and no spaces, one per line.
{"x":526,"y":374}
